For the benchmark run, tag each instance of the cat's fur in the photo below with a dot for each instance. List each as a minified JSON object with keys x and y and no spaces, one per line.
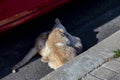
{"x":56,"y":47}
{"x":60,"y":46}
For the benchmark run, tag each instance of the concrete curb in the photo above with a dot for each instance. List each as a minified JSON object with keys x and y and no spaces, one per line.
{"x":87,"y":61}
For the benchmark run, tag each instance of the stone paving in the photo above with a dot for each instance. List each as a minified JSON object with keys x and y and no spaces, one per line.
{"x":108,"y":71}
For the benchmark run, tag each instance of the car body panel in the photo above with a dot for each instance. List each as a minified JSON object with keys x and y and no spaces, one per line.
{"x":15,"y":12}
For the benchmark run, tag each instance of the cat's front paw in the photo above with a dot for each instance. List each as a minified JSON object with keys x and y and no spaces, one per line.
{"x":14,"y":71}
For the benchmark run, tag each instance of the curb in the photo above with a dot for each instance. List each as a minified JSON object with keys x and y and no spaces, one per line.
{"x":87,"y":61}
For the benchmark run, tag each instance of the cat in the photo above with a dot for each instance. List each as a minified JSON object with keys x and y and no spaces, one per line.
{"x":61,"y":46}
{"x":56,"y":47}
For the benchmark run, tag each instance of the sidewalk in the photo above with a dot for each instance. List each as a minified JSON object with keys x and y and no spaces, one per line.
{"x":108,"y":71}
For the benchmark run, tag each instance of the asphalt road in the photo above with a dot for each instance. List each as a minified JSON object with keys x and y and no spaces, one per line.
{"x":84,"y":19}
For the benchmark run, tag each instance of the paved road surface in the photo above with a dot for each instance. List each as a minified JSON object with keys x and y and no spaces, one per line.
{"x":108,"y":71}
{"x":83,"y":19}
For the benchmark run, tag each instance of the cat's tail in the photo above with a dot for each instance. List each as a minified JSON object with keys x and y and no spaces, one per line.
{"x":31,"y":53}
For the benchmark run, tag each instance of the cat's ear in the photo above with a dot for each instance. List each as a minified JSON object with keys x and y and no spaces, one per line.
{"x":57,"y":21}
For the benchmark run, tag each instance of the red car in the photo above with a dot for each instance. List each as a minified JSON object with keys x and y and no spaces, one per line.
{"x":15,"y":12}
